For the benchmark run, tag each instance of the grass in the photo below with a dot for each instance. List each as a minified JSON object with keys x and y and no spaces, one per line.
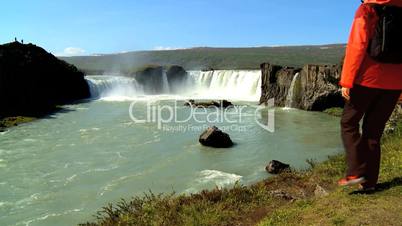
{"x":344,"y":206}
{"x":334,"y":111}
{"x":291,"y":198}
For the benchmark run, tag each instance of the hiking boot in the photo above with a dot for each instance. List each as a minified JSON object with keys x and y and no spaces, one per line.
{"x":351,"y":180}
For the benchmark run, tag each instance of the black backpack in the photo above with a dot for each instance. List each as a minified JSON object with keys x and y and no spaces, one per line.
{"x":386,"y":44}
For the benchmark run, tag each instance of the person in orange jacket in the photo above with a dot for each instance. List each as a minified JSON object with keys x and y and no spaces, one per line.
{"x":371,"y":90}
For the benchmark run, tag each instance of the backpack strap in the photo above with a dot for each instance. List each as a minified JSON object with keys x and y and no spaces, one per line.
{"x":379,"y":9}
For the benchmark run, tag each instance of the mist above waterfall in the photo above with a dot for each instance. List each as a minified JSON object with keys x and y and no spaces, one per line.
{"x":241,"y":85}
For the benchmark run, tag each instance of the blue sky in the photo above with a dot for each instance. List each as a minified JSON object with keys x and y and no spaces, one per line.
{"x":69,"y":27}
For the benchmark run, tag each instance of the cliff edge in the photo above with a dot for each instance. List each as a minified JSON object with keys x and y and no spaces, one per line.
{"x":33,"y":81}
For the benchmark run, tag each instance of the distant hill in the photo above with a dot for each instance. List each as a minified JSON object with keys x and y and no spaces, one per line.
{"x":216,"y":58}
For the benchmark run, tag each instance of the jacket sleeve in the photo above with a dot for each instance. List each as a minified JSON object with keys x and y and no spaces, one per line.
{"x":357,"y":45}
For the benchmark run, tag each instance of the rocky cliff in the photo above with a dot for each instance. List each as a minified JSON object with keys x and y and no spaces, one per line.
{"x":177,"y":77}
{"x":160,"y":79}
{"x":151,"y":78}
{"x":33,"y":81}
{"x":313,"y":87}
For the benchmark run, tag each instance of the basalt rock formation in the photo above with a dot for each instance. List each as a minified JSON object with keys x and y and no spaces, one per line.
{"x":276,"y":81}
{"x":176,"y":77}
{"x":33,"y":81}
{"x":314,"y":88}
{"x":159,"y":79}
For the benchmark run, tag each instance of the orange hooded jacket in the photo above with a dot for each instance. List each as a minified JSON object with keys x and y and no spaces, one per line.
{"x":358,"y":67}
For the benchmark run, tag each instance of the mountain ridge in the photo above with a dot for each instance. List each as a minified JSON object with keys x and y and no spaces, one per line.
{"x":202,"y":58}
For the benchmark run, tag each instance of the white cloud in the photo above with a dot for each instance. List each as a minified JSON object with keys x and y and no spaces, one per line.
{"x":72,"y":51}
{"x":162,"y":48}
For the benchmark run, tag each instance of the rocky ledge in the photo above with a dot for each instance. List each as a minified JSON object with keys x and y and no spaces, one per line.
{"x":313,"y":87}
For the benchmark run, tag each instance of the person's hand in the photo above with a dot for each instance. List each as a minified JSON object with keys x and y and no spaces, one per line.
{"x":346,"y":93}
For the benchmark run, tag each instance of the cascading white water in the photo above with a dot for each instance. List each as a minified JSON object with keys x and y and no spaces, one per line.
{"x":221,"y":84}
{"x":227,"y":84}
{"x":291,"y":93}
{"x":113,"y":87}
{"x":165,"y":83}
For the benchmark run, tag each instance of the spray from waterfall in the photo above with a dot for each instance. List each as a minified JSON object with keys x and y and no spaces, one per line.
{"x":165,"y":83}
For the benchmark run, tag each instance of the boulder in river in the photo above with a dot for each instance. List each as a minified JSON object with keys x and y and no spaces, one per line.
{"x":206,"y":104}
{"x":275,"y":167}
{"x":214,"y":137}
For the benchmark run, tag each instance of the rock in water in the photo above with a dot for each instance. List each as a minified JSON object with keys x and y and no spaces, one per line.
{"x":275,"y":167}
{"x":214,"y":137}
{"x":225,"y":104}
{"x":220,"y":104}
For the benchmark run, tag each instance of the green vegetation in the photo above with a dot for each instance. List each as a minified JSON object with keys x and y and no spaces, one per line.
{"x":14,"y":121}
{"x":334,"y":111}
{"x":308,"y":197}
{"x":216,"y":58}
{"x":343,"y":206}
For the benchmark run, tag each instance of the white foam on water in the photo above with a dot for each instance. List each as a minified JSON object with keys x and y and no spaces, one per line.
{"x":208,"y":178}
{"x":46,"y":216}
{"x":220,"y":178}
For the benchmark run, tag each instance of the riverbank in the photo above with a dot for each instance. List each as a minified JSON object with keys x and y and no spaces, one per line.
{"x":309,"y":197}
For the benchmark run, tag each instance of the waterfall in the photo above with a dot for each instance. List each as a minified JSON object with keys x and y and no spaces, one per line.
{"x":292,"y":92}
{"x":242,"y":85}
{"x":113,"y":87}
{"x":227,"y":84}
{"x":165,"y":83}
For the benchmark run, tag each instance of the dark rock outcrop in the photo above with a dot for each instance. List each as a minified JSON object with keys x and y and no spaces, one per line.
{"x":276,"y":81}
{"x":214,"y":137}
{"x":218,"y":104}
{"x":275,"y":167}
{"x":319,"y":87}
{"x":159,"y":79}
{"x":176,"y":77}
{"x":33,"y":81}
{"x":151,"y":78}
{"x":315,"y":88}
